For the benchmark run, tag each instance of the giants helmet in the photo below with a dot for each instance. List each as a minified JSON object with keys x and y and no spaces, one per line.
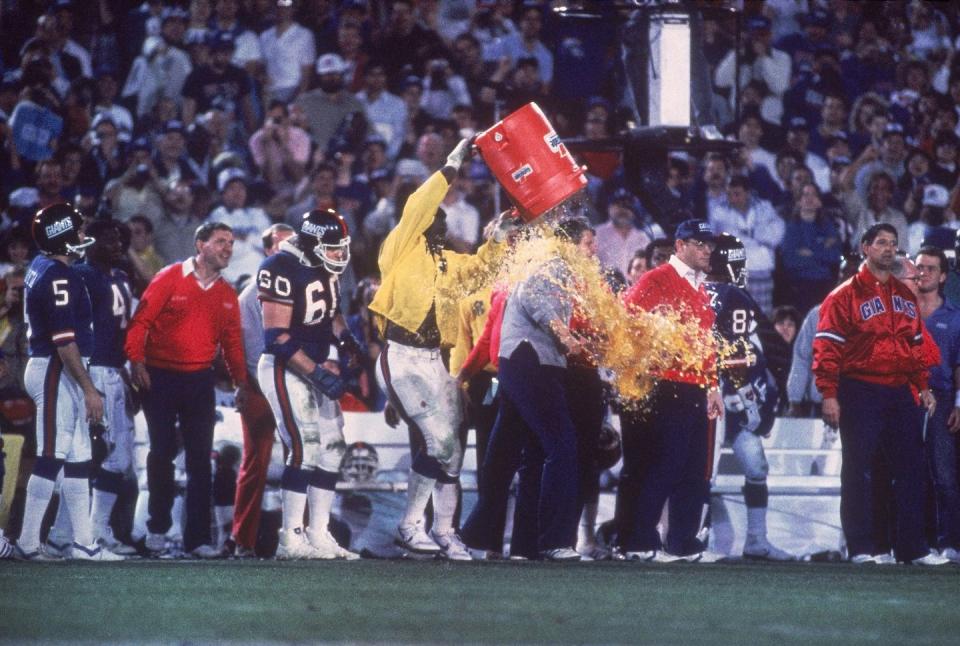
{"x":322,"y":231}
{"x":360,"y":463}
{"x":56,"y":230}
{"x":729,"y":258}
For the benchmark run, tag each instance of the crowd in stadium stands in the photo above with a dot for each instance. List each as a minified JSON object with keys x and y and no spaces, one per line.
{"x":166,"y":114}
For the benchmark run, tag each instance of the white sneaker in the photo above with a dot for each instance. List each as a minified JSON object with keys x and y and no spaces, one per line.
{"x":593,"y":552}
{"x":295,"y":546}
{"x":108,"y":541}
{"x":38,"y":554}
{"x":710,"y":557}
{"x":452,"y":546}
{"x":92,"y":552}
{"x":760,"y":549}
{"x":560,"y":554}
{"x":413,"y":538}
{"x":951,"y":553}
{"x":206,"y":552}
{"x":863,"y":559}
{"x":57,"y":547}
{"x":327,"y":546}
{"x":884,"y":559}
{"x":931,"y":559}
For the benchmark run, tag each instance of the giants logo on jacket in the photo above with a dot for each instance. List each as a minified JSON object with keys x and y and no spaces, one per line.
{"x":872,"y":307}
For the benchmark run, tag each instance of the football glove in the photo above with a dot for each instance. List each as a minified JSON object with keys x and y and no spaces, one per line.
{"x":329,"y":384}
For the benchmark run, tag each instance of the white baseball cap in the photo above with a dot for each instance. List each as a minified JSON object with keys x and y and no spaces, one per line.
{"x":936,"y":195}
{"x":228,"y":175}
{"x":331,"y":64}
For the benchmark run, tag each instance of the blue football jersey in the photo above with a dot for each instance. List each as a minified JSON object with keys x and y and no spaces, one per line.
{"x":314,"y":294}
{"x":749,"y":392}
{"x":110,"y":300}
{"x":57,"y":308}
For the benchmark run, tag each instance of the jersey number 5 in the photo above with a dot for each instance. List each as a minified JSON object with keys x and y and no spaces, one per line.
{"x":61,"y":296}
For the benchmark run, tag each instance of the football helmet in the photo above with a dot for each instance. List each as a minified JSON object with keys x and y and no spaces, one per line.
{"x":56,"y":230}
{"x":729,"y":258}
{"x":322,"y":233}
{"x":360,"y":463}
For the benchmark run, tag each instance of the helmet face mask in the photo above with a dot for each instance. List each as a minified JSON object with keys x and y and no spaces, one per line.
{"x":360,"y":463}
{"x":323,"y":239}
{"x":57,"y":231}
{"x":729,"y":259}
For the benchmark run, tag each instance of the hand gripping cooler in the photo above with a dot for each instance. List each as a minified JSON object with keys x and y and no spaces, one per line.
{"x":526,"y":156}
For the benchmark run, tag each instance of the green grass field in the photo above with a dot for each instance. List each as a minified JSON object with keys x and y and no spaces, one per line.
{"x":439,"y":602}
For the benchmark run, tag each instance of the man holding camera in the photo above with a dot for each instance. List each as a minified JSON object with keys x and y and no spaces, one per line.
{"x":280,"y":150}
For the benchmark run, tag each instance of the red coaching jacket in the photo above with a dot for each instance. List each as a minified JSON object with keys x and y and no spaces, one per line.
{"x":870,"y":331}
{"x":662,"y":288}
{"x":179,"y":325}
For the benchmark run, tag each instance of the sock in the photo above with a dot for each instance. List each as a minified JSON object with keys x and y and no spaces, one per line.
{"x":755,"y":496}
{"x":176,"y":514}
{"x":103,"y":502}
{"x":419,"y":488}
{"x":223,"y":514}
{"x":39,"y":492}
{"x":61,"y":532}
{"x":445,"y":497}
{"x":75,"y":492}
{"x":320,"y":501}
{"x":294,"y":504}
{"x":587,"y":534}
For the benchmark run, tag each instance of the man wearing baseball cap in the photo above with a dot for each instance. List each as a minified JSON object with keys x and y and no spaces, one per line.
{"x":667,"y":446}
{"x":329,"y":103}
{"x":219,"y":84}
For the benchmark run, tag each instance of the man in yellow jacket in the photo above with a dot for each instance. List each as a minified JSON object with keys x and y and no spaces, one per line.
{"x":422,"y":284}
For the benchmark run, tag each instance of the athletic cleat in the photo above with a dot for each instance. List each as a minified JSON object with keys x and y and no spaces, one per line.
{"x":92,"y":552}
{"x":710,"y":557}
{"x":659,"y":556}
{"x":452,"y":546}
{"x":560,"y":554}
{"x":56,"y":547}
{"x":952,"y":554}
{"x":327,"y":547}
{"x":760,"y":549}
{"x":240,"y":552}
{"x":884,"y":559}
{"x":294,"y":546}
{"x":156,"y":544}
{"x":594,"y":552}
{"x":206,"y":553}
{"x":414,"y":539}
{"x":109,"y":542}
{"x":863,"y":559}
{"x":6,"y":548}
{"x":40,"y":554}
{"x":931,"y":559}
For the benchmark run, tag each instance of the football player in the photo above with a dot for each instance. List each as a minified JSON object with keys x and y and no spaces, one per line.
{"x":60,"y":338}
{"x":110,"y":299}
{"x":749,"y":392}
{"x":300,"y":294}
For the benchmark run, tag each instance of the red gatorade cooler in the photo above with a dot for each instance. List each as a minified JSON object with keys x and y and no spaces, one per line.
{"x":526,"y":156}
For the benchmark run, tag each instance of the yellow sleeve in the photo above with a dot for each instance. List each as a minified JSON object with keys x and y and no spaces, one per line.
{"x":417,"y":216}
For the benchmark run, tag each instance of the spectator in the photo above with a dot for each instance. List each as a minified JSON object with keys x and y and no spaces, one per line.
{"x":105,"y":103}
{"x":280,"y":150}
{"x":175,"y":228}
{"x":933,"y":223}
{"x":526,"y":43}
{"x":36,"y":122}
{"x":810,"y":251}
{"x":144,"y":259}
{"x":246,"y":54}
{"x":712,"y":193}
{"x":638,"y":266}
{"x":443,"y":89}
{"x":798,"y":140}
{"x":351,"y":48}
{"x":49,"y":183}
{"x":139,"y":189}
{"x":889,"y":158}
{"x":14,"y":249}
{"x":833,"y":120}
{"x":619,"y":238}
{"x":911,"y":184}
{"x":878,"y":207}
{"x":761,"y":231}
{"x":289,"y":51}
{"x":13,"y":334}
{"x":171,"y":356}
{"x":328,"y":106}
{"x":786,"y":321}
{"x":760,"y":60}
{"x":219,"y":84}
{"x":945,"y":170}
{"x":406,"y":44}
{"x":160,"y":71}
{"x":105,"y":156}
{"x":322,"y":187}
{"x":245,"y":222}
{"x":463,"y":220}
{"x":386,"y":112}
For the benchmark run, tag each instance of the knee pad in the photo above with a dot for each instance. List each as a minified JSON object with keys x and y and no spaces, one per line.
{"x":77,"y":469}
{"x":295,"y":479}
{"x":324,"y":479}
{"x":46,"y":467}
